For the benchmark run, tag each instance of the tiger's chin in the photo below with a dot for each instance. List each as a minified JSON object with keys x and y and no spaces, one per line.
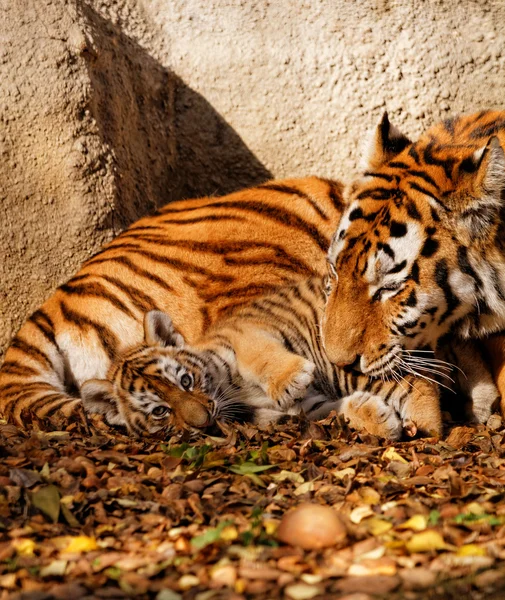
{"x":388,"y":362}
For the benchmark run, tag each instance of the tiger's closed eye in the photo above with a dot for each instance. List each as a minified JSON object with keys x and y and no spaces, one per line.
{"x":392,"y":287}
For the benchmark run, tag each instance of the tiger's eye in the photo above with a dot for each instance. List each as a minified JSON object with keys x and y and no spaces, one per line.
{"x":186,"y":381}
{"x":159,"y":411}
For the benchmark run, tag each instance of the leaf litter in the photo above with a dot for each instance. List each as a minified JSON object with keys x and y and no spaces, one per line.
{"x":88,"y":513}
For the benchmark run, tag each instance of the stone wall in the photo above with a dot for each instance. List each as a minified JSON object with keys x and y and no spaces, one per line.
{"x":110,"y":108}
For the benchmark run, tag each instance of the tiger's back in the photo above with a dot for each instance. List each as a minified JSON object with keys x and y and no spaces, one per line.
{"x":196,"y":259}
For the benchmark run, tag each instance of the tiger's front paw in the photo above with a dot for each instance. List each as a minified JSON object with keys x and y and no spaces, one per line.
{"x":291,"y":383}
{"x":366,"y":412}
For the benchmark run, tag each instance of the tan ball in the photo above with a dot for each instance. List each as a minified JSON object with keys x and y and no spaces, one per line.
{"x":311,"y":526}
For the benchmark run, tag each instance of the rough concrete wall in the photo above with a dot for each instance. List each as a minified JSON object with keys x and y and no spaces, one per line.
{"x":301,"y":80}
{"x":109,"y":108}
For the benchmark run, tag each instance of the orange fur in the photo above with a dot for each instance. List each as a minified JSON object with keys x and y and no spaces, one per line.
{"x":196,"y":259}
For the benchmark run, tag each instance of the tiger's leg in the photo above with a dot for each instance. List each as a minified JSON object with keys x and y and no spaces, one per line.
{"x":264,"y":360}
{"x":473,"y":378}
{"x":495,"y":350}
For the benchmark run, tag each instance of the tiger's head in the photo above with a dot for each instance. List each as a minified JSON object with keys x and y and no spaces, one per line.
{"x":159,"y":386}
{"x":418,"y":250}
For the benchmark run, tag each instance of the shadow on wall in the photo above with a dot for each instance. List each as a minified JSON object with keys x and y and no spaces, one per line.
{"x":165,"y":139}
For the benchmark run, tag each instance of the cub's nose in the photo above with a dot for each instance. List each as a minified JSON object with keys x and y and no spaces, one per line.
{"x":195,"y":414}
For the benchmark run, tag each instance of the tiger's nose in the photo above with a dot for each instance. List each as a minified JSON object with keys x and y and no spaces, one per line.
{"x":355,"y":365}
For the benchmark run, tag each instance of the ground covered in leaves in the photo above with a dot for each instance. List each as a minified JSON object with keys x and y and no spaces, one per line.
{"x":96,"y":515}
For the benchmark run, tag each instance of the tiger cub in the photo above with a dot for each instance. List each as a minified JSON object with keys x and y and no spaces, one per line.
{"x":196,"y":259}
{"x":270,"y":350}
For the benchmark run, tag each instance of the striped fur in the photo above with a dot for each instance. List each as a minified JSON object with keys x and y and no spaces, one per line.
{"x":419,"y":251}
{"x":196,"y":259}
{"x":271,"y":348}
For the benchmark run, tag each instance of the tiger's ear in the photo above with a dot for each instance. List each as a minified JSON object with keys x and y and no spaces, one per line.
{"x":480,"y":194}
{"x":160,"y":331}
{"x":98,"y":397}
{"x":384,"y":143}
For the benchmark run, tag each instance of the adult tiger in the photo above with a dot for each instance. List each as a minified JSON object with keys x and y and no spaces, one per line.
{"x":420,"y":249}
{"x":196,"y":259}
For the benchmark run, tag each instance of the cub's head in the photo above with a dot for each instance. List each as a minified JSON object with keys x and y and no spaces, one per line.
{"x":157,"y":386}
{"x":415,"y":252}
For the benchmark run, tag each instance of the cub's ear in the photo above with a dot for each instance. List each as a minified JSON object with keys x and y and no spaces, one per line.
{"x":480,"y":193}
{"x":160,"y":331}
{"x":98,"y":397}
{"x":384,"y":143}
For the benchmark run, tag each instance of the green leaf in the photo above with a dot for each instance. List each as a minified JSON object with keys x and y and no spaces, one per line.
{"x":47,"y":500}
{"x":433,"y":518}
{"x":210,"y":536}
{"x":248,"y":468}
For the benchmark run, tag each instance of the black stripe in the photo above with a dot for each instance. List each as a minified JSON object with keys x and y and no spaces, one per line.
{"x":13,"y":367}
{"x":165,"y":261}
{"x":424,"y":176}
{"x":380,"y":193}
{"x":412,"y":211}
{"x":107,"y":338}
{"x":42,"y":321}
{"x":126,"y":262}
{"x":379,"y":175}
{"x":285,"y":189}
{"x":447,"y":164}
{"x":397,"y":164}
{"x":424,"y":191}
{"x":203,"y":218}
{"x":466,"y":267}
{"x":414,"y":154}
{"x":96,"y":290}
{"x":335,"y":193}
{"x":284,"y":217}
{"x":489,"y":129}
{"x":441,"y":275}
{"x":32,"y":351}
{"x":140,"y":299}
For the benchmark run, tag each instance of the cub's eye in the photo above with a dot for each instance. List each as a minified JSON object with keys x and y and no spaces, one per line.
{"x":392,"y":287}
{"x":160,"y":411}
{"x":186,"y":381}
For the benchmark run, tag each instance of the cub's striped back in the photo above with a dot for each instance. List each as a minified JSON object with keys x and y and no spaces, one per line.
{"x":195,"y":259}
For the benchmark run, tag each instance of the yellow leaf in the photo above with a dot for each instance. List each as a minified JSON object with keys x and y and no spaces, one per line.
{"x":426,"y":541}
{"x":369,"y":495}
{"x":228,"y":534}
{"x":475,"y":508}
{"x":81,"y":543}
{"x":359,"y":513}
{"x":415,"y":523}
{"x":377,"y":526}
{"x":344,"y":472}
{"x":24,"y":547}
{"x":471,"y":550}
{"x":391,"y":454}
{"x":270,"y":526}
{"x":308,"y":486}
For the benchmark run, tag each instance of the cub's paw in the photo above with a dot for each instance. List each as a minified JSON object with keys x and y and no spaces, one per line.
{"x":291,"y":382}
